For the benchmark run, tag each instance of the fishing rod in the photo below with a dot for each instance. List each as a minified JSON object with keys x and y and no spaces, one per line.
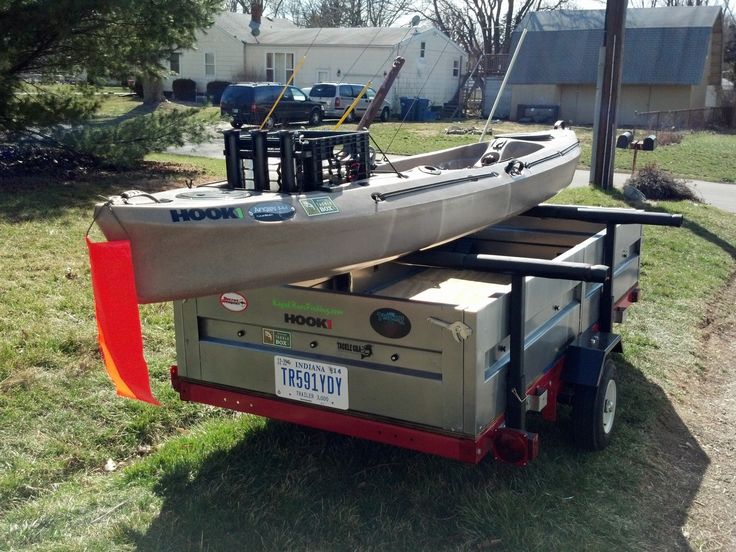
{"x":289,"y":81}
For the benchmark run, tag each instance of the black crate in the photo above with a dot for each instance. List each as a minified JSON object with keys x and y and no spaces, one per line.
{"x":307,"y":160}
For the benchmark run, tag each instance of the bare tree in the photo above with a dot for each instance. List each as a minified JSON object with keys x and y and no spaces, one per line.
{"x":483,"y":26}
{"x":272,"y":8}
{"x":345,"y":13}
{"x":665,"y":3}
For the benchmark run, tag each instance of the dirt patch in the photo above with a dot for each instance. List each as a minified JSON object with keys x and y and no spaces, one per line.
{"x":697,"y":448}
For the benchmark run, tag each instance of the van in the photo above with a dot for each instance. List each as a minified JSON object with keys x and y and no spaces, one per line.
{"x":248,"y":103}
{"x":337,"y":97}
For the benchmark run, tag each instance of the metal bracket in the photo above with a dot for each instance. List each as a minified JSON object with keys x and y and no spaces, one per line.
{"x":460,"y":332}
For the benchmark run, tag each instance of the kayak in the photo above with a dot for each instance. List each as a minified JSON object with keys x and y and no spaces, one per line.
{"x":306,"y":223}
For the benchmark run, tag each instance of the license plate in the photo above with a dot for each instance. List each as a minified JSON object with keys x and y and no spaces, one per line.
{"x":235,"y":110}
{"x":311,"y":382}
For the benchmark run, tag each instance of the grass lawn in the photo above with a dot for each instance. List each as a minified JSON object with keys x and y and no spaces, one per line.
{"x":190,"y":477}
{"x":701,"y":155}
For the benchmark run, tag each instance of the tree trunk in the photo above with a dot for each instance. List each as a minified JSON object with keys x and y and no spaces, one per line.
{"x":153,"y":89}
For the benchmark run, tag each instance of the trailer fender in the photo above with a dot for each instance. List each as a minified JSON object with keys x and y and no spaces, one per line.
{"x":587,"y":355}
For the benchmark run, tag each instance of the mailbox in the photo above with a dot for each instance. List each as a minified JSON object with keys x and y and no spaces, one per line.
{"x":649,"y":143}
{"x":624,"y":140}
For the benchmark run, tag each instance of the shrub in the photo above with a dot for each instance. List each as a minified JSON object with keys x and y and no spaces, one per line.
{"x":655,"y":183}
{"x":123,"y":145}
{"x":184,"y":90}
{"x":215,"y":89}
{"x":45,"y":160}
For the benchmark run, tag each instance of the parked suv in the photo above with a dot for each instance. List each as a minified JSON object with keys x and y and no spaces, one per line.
{"x":337,"y":97}
{"x":250,"y":102}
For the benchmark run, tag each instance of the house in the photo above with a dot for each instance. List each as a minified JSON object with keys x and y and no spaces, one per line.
{"x":228,"y":51}
{"x":672,"y":60}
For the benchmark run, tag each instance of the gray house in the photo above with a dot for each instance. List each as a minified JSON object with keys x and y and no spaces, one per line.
{"x":672,"y":60}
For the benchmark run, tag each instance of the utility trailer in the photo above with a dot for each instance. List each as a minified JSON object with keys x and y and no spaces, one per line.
{"x":443,"y":351}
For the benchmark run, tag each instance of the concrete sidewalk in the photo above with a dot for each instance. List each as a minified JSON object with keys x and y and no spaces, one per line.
{"x":719,"y":195}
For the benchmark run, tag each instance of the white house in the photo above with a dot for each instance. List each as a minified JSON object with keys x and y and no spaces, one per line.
{"x":228,"y":51}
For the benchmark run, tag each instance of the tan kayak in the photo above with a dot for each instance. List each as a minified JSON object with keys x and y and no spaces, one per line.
{"x":194,"y":242}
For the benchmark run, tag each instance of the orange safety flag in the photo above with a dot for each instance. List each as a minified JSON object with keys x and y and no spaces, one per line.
{"x":118,"y":319}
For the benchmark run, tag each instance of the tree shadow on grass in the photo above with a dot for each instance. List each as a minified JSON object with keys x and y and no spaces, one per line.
{"x":285,"y":487}
{"x":26,"y":199}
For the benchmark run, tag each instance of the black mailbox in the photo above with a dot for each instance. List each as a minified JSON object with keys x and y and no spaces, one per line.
{"x":624,"y":140}
{"x":649,"y":143}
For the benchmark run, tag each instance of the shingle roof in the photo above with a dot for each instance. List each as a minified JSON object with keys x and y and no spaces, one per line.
{"x":661,"y":46}
{"x":237,"y":25}
{"x":283,"y":32}
{"x":344,"y":36}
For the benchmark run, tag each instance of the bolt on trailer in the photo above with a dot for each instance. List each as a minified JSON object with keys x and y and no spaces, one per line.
{"x":443,"y":351}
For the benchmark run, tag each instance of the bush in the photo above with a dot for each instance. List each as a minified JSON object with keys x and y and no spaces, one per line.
{"x":36,"y":159}
{"x":185,"y":90}
{"x":655,"y":183}
{"x":215,"y":89}
{"x":124,"y":144}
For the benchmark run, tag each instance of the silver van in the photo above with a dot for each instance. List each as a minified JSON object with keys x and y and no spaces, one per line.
{"x":337,"y":97}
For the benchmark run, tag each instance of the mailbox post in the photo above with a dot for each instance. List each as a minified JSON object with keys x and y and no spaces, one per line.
{"x":626,"y":140}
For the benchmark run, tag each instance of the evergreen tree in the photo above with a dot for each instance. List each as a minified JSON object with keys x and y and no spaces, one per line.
{"x":45,"y":39}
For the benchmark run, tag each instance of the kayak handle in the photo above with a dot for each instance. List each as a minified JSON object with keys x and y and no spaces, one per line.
{"x":514,"y":167}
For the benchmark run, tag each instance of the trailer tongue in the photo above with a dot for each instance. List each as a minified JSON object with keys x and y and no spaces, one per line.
{"x":444,"y":351}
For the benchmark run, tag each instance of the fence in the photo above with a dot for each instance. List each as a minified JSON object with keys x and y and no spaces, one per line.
{"x":688,"y":119}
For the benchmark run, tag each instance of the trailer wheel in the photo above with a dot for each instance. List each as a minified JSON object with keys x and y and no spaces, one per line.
{"x":594,"y":410}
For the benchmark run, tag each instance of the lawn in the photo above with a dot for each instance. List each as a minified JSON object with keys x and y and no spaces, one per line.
{"x":700,"y":155}
{"x":81,"y":469}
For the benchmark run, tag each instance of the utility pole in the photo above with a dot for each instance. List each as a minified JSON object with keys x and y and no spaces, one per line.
{"x":609,"y":86}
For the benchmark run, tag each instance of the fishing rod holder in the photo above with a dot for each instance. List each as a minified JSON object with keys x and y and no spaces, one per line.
{"x":611,"y":217}
{"x":518,"y":268}
{"x":295,"y":161}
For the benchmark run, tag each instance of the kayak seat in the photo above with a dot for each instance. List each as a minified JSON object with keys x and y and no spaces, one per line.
{"x":461,"y":157}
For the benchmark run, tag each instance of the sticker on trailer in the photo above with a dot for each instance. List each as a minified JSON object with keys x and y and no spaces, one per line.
{"x":277,"y":338}
{"x":233,"y":301}
{"x":312,"y":382}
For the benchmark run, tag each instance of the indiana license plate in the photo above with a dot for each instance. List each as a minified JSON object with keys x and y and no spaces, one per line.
{"x":311,"y":382}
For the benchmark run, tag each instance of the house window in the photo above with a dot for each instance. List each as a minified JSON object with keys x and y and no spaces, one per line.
{"x":322,"y":75}
{"x":455,"y":67}
{"x":422,"y":48}
{"x":174,"y":63}
{"x":279,"y":66}
{"x":209,"y":64}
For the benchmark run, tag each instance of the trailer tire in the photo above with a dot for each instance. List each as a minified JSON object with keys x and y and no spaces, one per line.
{"x":594,"y":410}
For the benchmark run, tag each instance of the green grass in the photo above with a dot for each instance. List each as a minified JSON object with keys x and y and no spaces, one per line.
{"x":198,"y":478}
{"x":700,"y":156}
{"x":209,"y":166}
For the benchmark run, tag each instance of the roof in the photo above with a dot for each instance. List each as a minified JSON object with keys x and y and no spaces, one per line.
{"x":341,"y":36}
{"x":282,"y":32}
{"x":237,"y":25}
{"x":661,"y":46}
